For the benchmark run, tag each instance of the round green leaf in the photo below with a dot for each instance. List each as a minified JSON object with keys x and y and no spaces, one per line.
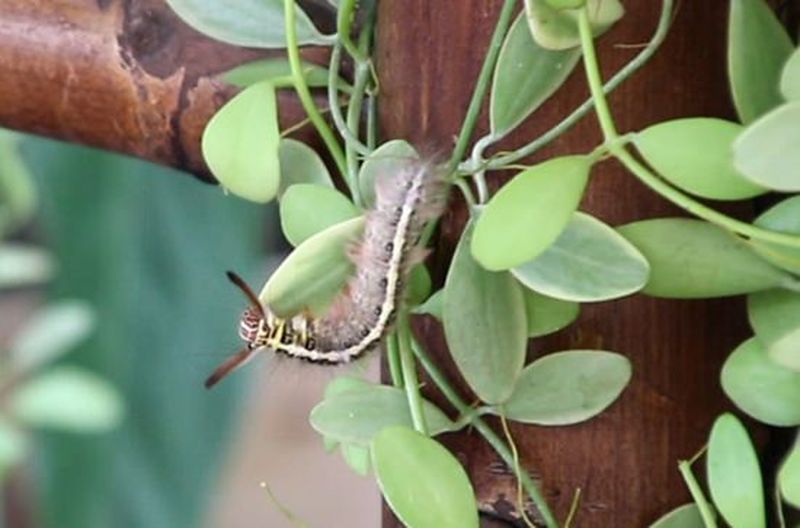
{"x":526,"y":75}
{"x":695,"y":155}
{"x":248,"y":23}
{"x":386,"y":159}
{"x":557,"y":28}
{"x":528,"y":213}
{"x":589,"y":261}
{"x":17,"y":192}
{"x":783,"y":217}
{"x":768,"y":151}
{"x":307,"y":208}
{"x":422,"y":482}
{"x":764,"y":390}
{"x":340,"y":385}
{"x":790,"y":79}
{"x":274,"y":69}
{"x":775,"y":318}
{"x":547,"y":315}
{"x":734,"y":476}
{"x":69,"y":399}
{"x":758,"y":46}
{"x":695,"y":259}
{"x":567,"y":387}
{"x":51,"y":333}
{"x":357,"y":457}
{"x":686,"y":516}
{"x":357,"y":415}
{"x":485,"y":324}
{"x":301,"y":164}
{"x":240,"y":144}
{"x":23,"y":265}
{"x":312,"y":275}
{"x":419,"y":285}
{"x":789,"y":478}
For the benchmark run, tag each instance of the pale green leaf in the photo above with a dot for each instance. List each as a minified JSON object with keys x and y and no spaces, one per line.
{"x":68,"y":399}
{"x":768,"y":151}
{"x":790,"y":78}
{"x":434,"y":305}
{"x":240,"y":144}
{"x":386,"y":159}
{"x":485,"y":324}
{"x":18,"y":198}
{"x":734,"y":476}
{"x":247,"y":23}
{"x":423,"y":483}
{"x":784,"y":217}
{"x":763,"y":389}
{"x":789,"y":477}
{"x":686,"y":516}
{"x":558,"y":28}
{"x":307,"y":208}
{"x":528,"y":213}
{"x":357,"y":457}
{"x":274,"y":69}
{"x":525,"y":76}
{"x":419,"y":285}
{"x":51,"y":333}
{"x":300,"y":164}
{"x":547,"y":315}
{"x":758,"y":46}
{"x":355,"y":416}
{"x":13,"y":444}
{"x":589,"y":261}
{"x":775,"y":318}
{"x":312,"y":275}
{"x":24,"y":265}
{"x":567,"y":387}
{"x":696,"y":259}
{"x":695,"y":154}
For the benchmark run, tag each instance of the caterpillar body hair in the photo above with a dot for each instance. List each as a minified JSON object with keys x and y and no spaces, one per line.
{"x":362,"y":314}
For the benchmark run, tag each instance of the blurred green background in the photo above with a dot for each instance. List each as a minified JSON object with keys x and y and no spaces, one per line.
{"x":147,"y":248}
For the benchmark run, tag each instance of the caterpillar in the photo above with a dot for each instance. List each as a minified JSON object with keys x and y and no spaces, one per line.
{"x":364,"y":311}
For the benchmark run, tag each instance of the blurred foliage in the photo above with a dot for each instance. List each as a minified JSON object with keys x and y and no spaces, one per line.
{"x":148,"y":249}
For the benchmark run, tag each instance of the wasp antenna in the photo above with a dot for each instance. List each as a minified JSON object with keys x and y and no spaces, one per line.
{"x":229,"y":365}
{"x":251,"y":296}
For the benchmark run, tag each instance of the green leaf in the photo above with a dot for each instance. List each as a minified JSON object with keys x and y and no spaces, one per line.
{"x":547,"y":315}
{"x":790,"y":78}
{"x":419,"y":285}
{"x":734,"y":477}
{"x":422,"y":482}
{"x":272,"y":69}
{"x":695,"y":259}
{"x":784,"y":217}
{"x":17,"y":193}
{"x":240,"y":144}
{"x":485,"y":324}
{"x":695,"y":155}
{"x":357,"y":415}
{"x":569,"y":387}
{"x":307,"y":209}
{"x":766,"y":391}
{"x":686,"y":516}
{"x":758,"y":46}
{"x":24,"y":265}
{"x":386,"y":159}
{"x":775,"y":318}
{"x":525,"y":76}
{"x":789,"y":477}
{"x":433,"y":306}
{"x":528,"y":213}
{"x":340,"y":385}
{"x":589,"y":261}
{"x":557,"y":29}
{"x":51,"y":333}
{"x":68,"y":399}
{"x":13,"y":445}
{"x":300,"y":164}
{"x":768,"y":151}
{"x":247,"y":23}
{"x":312,"y":275}
{"x":357,"y":457}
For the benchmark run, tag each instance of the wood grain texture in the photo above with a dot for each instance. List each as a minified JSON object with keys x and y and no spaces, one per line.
{"x":429,"y":55}
{"x":121,"y":75}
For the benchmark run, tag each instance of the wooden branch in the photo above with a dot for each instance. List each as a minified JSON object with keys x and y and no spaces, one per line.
{"x":127,"y":76}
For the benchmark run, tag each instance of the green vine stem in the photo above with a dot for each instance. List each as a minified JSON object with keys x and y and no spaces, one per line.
{"x":393,"y":359}
{"x":484,"y":79}
{"x":333,"y":101}
{"x":618,"y":150}
{"x":409,"y":370}
{"x":344,"y":22}
{"x":301,"y":87}
{"x":487,"y":432}
{"x":621,"y":76}
{"x":685,"y":467}
{"x":362,"y":76}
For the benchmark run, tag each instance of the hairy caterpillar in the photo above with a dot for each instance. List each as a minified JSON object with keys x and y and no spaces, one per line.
{"x":364,"y":311}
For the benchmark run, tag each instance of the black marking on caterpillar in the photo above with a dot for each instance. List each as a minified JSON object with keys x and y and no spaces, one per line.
{"x":363,"y":313}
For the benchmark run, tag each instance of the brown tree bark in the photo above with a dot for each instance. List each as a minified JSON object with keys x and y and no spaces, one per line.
{"x":624,"y":461}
